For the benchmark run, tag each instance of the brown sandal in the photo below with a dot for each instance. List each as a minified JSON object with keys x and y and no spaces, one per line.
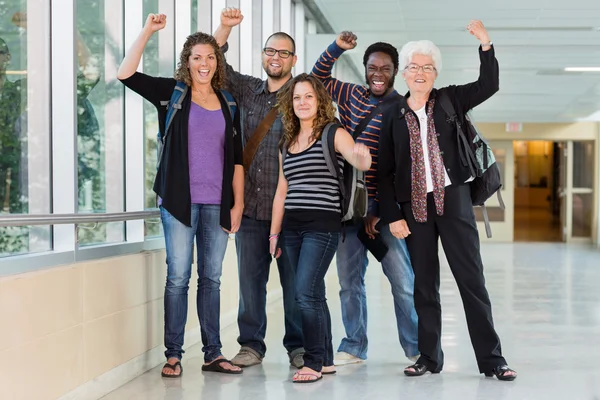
{"x":174,"y":368}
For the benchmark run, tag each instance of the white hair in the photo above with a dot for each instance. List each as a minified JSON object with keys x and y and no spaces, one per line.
{"x":423,"y":47}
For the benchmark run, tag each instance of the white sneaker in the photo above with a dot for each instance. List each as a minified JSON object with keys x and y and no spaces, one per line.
{"x":343,"y":358}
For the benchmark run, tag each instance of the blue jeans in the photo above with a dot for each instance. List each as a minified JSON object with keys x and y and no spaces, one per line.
{"x":211,"y":243}
{"x":254,"y":262}
{"x":352,"y":265}
{"x":311,"y":254}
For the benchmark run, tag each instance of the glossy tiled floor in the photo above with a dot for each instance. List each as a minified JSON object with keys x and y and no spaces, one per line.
{"x":546,"y":300}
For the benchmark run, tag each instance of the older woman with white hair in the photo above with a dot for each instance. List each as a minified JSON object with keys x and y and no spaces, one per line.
{"x":424,"y":196}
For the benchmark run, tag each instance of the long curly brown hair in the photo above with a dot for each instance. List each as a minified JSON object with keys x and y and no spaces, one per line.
{"x":291,"y":123}
{"x":182,"y":73}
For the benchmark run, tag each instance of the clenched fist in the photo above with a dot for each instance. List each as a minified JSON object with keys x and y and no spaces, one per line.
{"x":231,"y":17}
{"x":155,"y":22}
{"x":346,"y":40}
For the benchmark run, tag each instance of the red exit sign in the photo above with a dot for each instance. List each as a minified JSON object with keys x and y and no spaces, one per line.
{"x":514,"y":127}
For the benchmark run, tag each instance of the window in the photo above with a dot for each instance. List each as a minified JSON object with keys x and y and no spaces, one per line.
{"x":24,"y":141}
{"x":158,"y":60}
{"x":100,"y":141}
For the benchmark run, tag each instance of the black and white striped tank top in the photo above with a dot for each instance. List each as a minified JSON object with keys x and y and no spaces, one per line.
{"x":311,"y":187}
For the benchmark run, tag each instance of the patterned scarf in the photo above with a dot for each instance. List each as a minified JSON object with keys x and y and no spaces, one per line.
{"x":419,"y":182}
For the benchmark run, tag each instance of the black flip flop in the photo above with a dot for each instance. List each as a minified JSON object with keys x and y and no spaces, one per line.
{"x":174,"y":368}
{"x":297,"y":374}
{"x":215,"y":366}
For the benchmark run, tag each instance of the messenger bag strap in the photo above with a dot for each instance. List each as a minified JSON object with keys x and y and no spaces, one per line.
{"x":257,"y":137}
{"x":379,"y":109}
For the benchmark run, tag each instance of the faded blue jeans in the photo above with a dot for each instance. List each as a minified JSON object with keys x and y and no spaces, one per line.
{"x":352,"y":264}
{"x":211,"y":243}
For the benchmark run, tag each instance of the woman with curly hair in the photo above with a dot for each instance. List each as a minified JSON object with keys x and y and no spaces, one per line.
{"x":200,"y":184}
{"x":307,"y":210}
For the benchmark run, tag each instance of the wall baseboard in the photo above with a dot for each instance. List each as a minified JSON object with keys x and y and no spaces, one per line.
{"x":119,"y":376}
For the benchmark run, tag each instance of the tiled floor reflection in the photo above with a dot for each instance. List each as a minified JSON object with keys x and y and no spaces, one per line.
{"x":536,"y":225}
{"x":546,"y":300}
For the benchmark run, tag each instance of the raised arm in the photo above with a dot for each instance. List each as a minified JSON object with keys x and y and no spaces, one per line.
{"x":154,"y":22}
{"x":230,"y":17}
{"x":488,"y":83}
{"x":338,"y":90}
{"x":356,"y":154}
{"x":235,"y":81}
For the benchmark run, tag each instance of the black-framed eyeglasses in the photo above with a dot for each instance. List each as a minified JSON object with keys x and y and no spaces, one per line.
{"x":282,"y":53}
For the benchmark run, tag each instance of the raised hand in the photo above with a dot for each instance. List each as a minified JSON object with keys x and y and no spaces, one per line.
{"x":346,"y":40}
{"x":231,"y":17}
{"x":477,"y":29}
{"x":155,"y":22}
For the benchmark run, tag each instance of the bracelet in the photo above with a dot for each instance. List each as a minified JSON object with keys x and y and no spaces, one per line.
{"x":274,"y":236}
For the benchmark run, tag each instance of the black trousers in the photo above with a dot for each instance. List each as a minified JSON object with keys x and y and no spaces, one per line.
{"x":458,"y":231}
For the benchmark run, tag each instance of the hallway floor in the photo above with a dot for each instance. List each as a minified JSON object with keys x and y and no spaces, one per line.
{"x":546,"y":303}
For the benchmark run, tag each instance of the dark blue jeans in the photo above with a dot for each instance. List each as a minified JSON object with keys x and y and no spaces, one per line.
{"x":254,"y":262}
{"x":310,"y":254}
{"x":211,"y":243}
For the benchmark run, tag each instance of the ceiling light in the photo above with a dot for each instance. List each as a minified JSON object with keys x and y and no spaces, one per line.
{"x":582,"y":69}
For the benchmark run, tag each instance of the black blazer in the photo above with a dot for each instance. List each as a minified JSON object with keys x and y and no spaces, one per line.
{"x":394,"y":169}
{"x":172,"y":181}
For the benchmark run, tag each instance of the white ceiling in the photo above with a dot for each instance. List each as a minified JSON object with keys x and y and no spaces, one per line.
{"x":534,"y":41}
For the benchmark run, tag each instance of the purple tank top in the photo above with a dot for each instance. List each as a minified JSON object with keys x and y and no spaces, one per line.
{"x":206,"y":151}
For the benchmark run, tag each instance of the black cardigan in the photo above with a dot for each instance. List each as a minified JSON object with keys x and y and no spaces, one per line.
{"x":172,"y":181}
{"x":394,"y":168}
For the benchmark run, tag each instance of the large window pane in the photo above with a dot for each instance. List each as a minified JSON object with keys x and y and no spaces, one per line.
{"x":24,"y":139}
{"x":100,"y":160}
{"x":583,"y":164}
{"x":194,"y":25}
{"x":159,"y":60}
{"x":583,"y":204}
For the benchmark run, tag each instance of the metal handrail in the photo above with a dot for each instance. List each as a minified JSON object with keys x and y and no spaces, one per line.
{"x":61,"y":219}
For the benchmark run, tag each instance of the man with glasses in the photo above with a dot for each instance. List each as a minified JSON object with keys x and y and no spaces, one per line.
{"x":361,"y":110}
{"x":262,"y":131}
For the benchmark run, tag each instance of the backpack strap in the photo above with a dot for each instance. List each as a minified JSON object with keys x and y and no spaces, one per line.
{"x":328,"y":145}
{"x":230,"y":103}
{"x":284,"y":148}
{"x":379,"y":109}
{"x":467,"y":157}
{"x":177,"y":97}
{"x":486,"y":221}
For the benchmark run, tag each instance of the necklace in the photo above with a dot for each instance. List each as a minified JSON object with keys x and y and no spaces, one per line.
{"x":203,"y":96}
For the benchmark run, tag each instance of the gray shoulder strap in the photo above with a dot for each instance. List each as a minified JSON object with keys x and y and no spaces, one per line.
{"x":328,"y":136}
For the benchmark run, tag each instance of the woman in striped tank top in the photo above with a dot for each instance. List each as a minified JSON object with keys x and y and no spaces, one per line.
{"x":306,"y":219}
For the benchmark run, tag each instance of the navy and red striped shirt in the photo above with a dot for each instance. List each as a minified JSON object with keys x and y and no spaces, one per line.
{"x":354,"y":103}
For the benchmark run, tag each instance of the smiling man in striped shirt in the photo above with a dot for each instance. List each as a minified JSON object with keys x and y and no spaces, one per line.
{"x":356,"y":102}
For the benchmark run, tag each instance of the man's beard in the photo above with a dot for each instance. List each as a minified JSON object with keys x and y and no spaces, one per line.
{"x":390,"y":83}
{"x":275,"y":75}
